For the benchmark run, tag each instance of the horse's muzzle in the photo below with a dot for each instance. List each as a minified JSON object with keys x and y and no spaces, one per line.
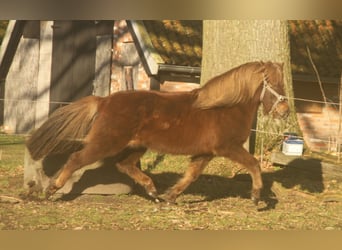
{"x":282,"y":110}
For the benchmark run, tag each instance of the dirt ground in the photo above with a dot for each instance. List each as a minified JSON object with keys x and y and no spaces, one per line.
{"x":219,"y":199}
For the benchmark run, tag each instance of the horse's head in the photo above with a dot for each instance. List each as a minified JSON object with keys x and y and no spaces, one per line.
{"x":273,"y":94}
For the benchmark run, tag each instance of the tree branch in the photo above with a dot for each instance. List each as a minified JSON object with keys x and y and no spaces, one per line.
{"x":317,"y":75}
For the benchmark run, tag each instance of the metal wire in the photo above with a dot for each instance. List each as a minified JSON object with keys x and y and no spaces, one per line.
{"x":252,"y":130}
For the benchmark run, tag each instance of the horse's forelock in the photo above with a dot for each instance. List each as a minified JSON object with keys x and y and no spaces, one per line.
{"x":274,"y":73}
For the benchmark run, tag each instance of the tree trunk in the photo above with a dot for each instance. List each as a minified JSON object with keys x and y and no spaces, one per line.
{"x":229,"y":43}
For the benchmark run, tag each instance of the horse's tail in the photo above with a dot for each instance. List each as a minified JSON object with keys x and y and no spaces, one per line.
{"x":65,"y":129}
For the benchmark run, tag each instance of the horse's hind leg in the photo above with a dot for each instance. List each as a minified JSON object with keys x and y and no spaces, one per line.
{"x":240,"y":155}
{"x":91,"y":153}
{"x":128,"y":165}
{"x":196,"y":167}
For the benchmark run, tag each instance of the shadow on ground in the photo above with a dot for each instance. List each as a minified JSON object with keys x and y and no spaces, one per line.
{"x":307,"y":174}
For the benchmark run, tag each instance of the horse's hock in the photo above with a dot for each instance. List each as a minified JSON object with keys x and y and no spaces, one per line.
{"x":98,"y":178}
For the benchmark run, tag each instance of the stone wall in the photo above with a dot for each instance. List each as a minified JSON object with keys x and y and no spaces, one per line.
{"x":319,"y":122}
{"x":321,"y":129}
{"x":121,"y":43}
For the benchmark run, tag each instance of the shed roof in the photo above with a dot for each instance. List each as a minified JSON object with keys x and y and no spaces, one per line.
{"x":324,"y":40}
{"x":179,"y":43}
{"x":169,"y":49}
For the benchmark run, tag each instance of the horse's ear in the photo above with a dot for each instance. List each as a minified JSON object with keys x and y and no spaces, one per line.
{"x":261,"y":69}
{"x":281,"y":65}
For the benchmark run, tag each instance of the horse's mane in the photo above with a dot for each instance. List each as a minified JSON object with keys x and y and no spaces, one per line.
{"x":237,"y":85}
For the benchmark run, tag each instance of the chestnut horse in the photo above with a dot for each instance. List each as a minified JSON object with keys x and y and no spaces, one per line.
{"x":214,"y":120}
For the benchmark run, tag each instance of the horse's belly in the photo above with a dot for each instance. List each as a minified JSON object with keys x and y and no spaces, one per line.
{"x":177,"y":140}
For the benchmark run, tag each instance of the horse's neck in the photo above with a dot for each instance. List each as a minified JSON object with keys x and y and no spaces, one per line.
{"x":249,"y":111}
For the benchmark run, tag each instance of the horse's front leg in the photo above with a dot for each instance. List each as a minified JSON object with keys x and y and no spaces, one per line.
{"x":129,"y":165}
{"x":196,"y":167}
{"x":243,"y":157}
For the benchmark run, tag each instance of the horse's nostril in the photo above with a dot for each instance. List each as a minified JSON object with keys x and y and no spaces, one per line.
{"x":282,"y":111}
{"x":286,"y":113}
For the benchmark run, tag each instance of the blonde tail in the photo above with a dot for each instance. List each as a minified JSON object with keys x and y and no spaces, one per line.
{"x":65,"y":129}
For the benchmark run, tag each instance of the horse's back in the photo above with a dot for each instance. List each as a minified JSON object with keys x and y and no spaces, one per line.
{"x":145,"y":102}
{"x":156,"y":120}
{"x":134,"y":110}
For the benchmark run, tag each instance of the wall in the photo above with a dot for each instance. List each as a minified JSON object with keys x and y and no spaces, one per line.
{"x":125,"y":57}
{"x":21,"y":83}
{"x":55,"y":62}
{"x":319,"y":123}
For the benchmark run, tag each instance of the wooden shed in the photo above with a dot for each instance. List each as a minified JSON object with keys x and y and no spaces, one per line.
{"x":46,"y":64}
{"x":319,"y":121}
{"x":164,"y":54}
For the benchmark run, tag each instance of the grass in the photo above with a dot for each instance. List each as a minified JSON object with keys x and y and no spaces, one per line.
{"x":10,"y":148}
{"x":215,"y":201}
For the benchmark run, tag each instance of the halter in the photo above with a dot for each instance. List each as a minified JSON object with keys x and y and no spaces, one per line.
{"x":267,"y":86}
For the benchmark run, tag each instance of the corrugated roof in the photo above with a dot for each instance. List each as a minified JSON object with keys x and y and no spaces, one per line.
{"x":324,"y":40}
{"x":180,"y":43}
{"x":177,"y":42}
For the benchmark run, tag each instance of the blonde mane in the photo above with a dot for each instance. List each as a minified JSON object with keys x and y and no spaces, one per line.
{"x":238,"y":85}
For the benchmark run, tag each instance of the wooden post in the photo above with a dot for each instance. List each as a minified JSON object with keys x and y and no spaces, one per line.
{"x":44,"y":73}
{"x":103,"y":59}
{"x":129,"y":77}
{"x":154,"y":84}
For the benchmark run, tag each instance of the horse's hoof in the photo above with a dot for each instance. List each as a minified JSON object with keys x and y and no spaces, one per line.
{"x":255,"y":201}
{"x":255,"y":196}
{"x":48,"y":194}
{"x":154,"y":196}
{"x":171,"y":203}
{"x":50,"y":190}
{"x":168,"y":198}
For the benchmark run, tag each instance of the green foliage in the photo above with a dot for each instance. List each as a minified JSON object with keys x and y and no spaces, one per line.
{"x":270,"y":131}
{"x":3,"y":27}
